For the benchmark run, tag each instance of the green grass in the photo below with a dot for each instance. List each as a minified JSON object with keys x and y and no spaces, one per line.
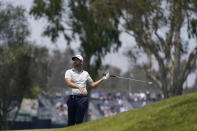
{"x":174,"y":114}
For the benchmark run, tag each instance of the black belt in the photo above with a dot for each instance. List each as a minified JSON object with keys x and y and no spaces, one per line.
{"x":77,"y":96}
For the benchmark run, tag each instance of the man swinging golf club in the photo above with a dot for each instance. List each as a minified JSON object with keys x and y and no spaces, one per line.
{"x":76,"y":78}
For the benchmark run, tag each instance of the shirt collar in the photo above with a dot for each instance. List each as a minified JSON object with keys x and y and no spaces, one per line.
{"x":75,"y":70}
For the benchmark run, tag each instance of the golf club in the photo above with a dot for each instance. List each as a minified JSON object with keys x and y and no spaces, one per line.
{"x":126,"y":78}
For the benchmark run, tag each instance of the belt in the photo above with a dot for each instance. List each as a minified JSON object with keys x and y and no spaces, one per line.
{"x":77,"y":96}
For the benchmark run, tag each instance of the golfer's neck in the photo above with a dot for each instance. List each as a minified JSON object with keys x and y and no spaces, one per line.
{"x":78,"y":68}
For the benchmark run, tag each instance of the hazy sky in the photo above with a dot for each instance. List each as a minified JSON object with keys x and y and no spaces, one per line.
{"x":115,"y":59}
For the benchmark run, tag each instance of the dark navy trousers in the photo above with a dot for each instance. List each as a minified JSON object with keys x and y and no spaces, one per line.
{"x":77,"y":107}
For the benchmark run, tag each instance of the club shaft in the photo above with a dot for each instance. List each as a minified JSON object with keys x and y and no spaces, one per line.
{"x":126,"y":78}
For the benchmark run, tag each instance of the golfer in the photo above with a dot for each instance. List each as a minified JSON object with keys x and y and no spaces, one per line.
{"x":76,"y":79}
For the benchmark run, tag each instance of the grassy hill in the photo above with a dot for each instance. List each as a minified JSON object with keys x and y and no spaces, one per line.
{"x":174,"y":114}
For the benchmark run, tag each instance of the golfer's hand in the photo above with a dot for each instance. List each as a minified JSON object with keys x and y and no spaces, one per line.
{"x":105,"y":76}
{"x":83,"y":91}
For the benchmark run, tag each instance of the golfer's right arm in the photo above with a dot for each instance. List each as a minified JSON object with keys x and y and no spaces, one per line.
{"x":72,"y":85}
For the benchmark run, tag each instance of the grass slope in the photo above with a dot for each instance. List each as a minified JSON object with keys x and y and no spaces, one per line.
{"x":174,"y":114}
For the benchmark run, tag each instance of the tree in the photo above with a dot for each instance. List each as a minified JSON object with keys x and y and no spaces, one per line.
{"x":157,"y":27}
{"x":21,"y":63}
{"x":76,"y":17}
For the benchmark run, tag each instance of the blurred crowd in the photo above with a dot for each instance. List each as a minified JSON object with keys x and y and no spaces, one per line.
{"x":144,"y":96}
{"x":104,"y":104}
{"x":108,"y":104}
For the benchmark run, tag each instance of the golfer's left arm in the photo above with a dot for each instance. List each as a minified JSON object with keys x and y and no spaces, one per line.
{"x":96,"y":83}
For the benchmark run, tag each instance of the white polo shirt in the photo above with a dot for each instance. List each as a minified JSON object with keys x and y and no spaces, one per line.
{"x":79,"y":78}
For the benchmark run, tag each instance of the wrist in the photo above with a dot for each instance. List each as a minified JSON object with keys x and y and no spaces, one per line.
{"x":105,"y":76}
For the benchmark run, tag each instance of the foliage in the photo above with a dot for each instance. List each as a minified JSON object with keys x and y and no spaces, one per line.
{"x":19,"y":74}
{"x":76,"y":15}
{"x":96,"y":41}
{"x":53,"y":11}
{"x":23,"y":67}
{"x":13,"y":26}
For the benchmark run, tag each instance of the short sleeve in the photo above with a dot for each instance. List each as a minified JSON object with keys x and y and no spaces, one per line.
{"x":67,"y":74}
{"x":89,"y":79}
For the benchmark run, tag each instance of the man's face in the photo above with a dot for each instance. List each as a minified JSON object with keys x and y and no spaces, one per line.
{"x":77,"y":62}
